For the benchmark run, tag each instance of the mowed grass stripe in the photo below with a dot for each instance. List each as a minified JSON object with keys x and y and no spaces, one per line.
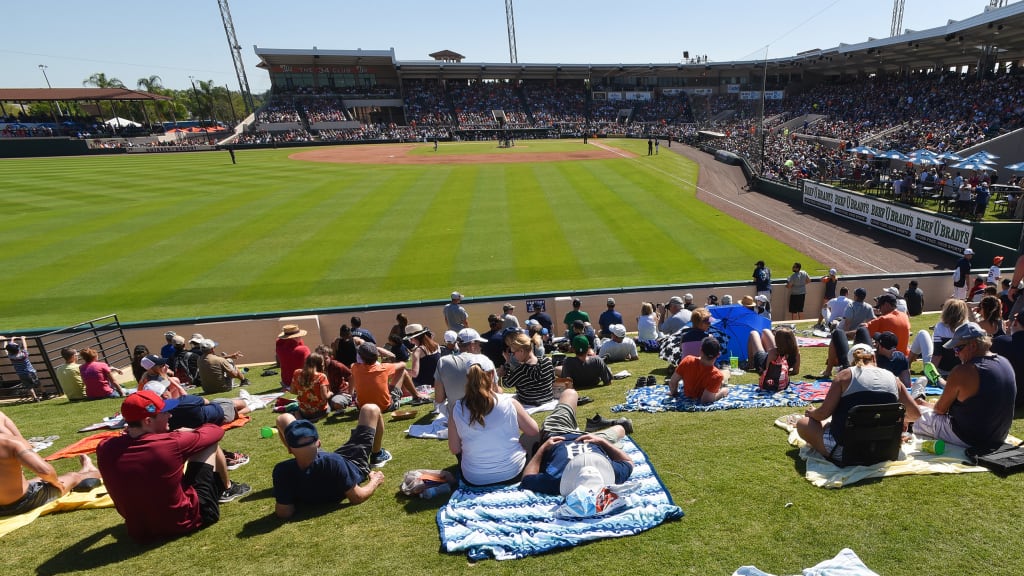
{"x":485,"y":247}
{"x":588,"y":241}
{"x":538,"y":239}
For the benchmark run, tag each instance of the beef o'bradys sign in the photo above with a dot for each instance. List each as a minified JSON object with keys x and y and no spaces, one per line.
{"x":917,"y":225}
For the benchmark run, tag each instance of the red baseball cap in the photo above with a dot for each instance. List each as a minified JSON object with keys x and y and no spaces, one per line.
{"x":144,"y":404}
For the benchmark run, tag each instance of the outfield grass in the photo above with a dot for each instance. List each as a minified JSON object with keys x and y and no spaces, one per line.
{"x":731,"y":472}
{"x":181,"y":235}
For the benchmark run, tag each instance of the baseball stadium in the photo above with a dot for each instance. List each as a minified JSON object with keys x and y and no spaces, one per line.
{"x":369,"y":202}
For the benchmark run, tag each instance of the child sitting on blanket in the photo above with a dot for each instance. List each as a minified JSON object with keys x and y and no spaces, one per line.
{"x":702,"y":381}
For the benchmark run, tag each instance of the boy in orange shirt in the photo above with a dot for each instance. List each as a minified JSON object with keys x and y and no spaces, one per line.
{"x":371,"y":382}
{"x":702,"y":381}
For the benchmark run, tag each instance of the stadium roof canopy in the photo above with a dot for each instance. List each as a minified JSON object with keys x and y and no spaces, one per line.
{"x":956,"y":44}
{"x":74,"y":94}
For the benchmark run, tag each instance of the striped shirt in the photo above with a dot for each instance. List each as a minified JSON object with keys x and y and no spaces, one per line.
{"x":532,"y":381}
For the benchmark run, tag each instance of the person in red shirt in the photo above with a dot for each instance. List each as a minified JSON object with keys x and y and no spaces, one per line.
{"x":145,"y":474}
{"x":291,"y":352}
{"x":702,"y":381}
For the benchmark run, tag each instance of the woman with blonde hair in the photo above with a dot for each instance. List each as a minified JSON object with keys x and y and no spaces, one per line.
{"x":647,"y":327}
{"x":532,"y":377}
{"x":311,"y":386}
{"x":862,"y":383}
{"x":954,"y":313}
{"x":484,"y":433}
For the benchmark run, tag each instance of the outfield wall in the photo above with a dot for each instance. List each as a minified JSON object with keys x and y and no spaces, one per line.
{"x":254,"y":335}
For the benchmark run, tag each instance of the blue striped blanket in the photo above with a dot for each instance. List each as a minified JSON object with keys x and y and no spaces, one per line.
{"x":656,"y":399}
{"x":508,"y":523}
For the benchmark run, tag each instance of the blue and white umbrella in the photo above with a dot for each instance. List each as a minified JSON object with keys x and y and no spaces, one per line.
{"x":980,"y":157}
{"x":922,"y":153}
{"x":925,"y":161}
{"x":864,"y":150}
{"x":976,"y":165}
{"x":894,"y":155}
{"x":949,"y":156}
{"x":1018,"y":167}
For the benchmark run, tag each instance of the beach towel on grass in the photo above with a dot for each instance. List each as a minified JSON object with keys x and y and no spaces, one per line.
{"x":656,"y":399}
{"x":816,"y":391}
{"x":507,"y":523}
{"x":912,"y":460}
{"x":95,"y":498}
{"x":812,"y":342}
{"x":89,"y":444}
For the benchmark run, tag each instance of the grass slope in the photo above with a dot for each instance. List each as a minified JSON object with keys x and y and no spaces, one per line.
{"x":731,"y":472}
{"x":181,"y":235}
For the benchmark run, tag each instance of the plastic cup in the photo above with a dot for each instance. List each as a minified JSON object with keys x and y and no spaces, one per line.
{"x":267,"y":432}
{"x":734,"y":362}
{"x":936,"y":447}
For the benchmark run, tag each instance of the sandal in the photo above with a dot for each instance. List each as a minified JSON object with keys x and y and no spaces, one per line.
{"x":584,"y":400}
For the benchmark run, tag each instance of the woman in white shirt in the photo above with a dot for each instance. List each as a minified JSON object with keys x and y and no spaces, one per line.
{"x":484,"y":433}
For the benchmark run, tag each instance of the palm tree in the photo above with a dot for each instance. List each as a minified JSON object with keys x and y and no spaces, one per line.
{"x":100,"y":80}
{"x":153,"y":84}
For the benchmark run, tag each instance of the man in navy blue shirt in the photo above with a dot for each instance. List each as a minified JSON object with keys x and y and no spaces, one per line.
{"x":316,"y":478}
{"x":569,"y":458}
{"x":609,"y":317}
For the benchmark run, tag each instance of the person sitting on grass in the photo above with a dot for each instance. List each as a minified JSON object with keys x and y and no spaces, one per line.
{"x":484,"y":433}
{"x":98,"y":378}
{"x":568,"y":458}
{"x":702,"y":380}
{"x":532,"y":377}
{"x":317,"y":478}
{"x":158,"y":372}
{"x":217,"y":370}
{"x":619,"y":347}
{"x":338,"y":379}
{"x":371,"y":381}
{"x":862,"y":383}
{"x":310,"y":385}
{"x":585,"y":369}
{"x":766,"y":346}
{"x":19,"y":495}
{"x":70,"y":375}
{"x":163,"y":483}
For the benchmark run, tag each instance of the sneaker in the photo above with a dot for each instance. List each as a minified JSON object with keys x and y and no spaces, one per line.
{"x":381,"y":458}
{"x":652,"y":380}
{"x":598,"y":423}
{"x":244,"y":382}
{"x":917,"y":389}
{"x":421,"y":400}
{"x":641,"y":382}
{"x":584,"y":400}
{"x":237,"y":460}
{"x":237,"y":490}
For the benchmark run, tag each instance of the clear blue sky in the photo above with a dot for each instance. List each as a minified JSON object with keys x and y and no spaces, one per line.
{"x":131,"y":39}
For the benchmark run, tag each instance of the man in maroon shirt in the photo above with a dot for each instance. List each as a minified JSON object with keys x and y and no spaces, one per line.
{"x":143,"y":471}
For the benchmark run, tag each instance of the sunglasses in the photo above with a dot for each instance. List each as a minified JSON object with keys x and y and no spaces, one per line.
{"x":957,"y":349}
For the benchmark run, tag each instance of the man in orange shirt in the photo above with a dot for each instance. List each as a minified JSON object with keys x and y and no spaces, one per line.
{"x":889,"y":319}
{"x":702,"y":381}
{"x":371,"y":381}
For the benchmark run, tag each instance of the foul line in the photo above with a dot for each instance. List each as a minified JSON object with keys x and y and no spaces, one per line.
{"x":761,"y":216}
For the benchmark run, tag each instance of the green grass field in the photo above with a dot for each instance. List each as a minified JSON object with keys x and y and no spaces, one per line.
{"x":731,"y":472}
{"x":181,"y":235}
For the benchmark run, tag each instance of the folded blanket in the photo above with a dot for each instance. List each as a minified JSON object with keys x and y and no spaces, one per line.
{"x":656,"y":399}
{"x":96,"y":498}
{"x":506,"y":523}
{"x":810,"y":342}
{"x":912,"y":460}
{"x":846,"y":563}
{"x":436,"y":430}
{"x":816,"y":391}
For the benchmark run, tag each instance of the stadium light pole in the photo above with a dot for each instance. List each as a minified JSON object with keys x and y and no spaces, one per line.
{"x":42,"y":68}
{"x":764,"y":88}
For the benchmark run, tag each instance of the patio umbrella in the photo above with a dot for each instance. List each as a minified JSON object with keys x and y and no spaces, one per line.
{"x":737,"y":321}
{"x":980,"y":157}
{"x":922,"y":152}
{"x":894,"y":155}
{"x":1018,"y":167}
{"x":986,"y":154}
{"x":925,"y":161}
{"x":864,"y":150}
{"x":949,"y":156}
{"x":976,"y":165}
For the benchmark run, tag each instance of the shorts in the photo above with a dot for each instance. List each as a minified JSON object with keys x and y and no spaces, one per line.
{"x":312,"y":416}
{"x":759,"y":361}
{"x":29,"y":380}
{"x":37,"y":494}
{"x":208,"y":486}
{"x":835,"y":452}
{"x":796,"y":303}
{"x":228,"y":406}
{"x":357,"y":449}
{"x":562,"y":422}
{"x":938,"y":426}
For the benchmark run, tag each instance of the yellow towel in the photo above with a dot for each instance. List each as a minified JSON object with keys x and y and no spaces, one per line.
{"x":95,"y":498}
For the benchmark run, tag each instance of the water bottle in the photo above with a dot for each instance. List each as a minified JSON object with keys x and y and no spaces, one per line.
{"x":435,"y":491}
